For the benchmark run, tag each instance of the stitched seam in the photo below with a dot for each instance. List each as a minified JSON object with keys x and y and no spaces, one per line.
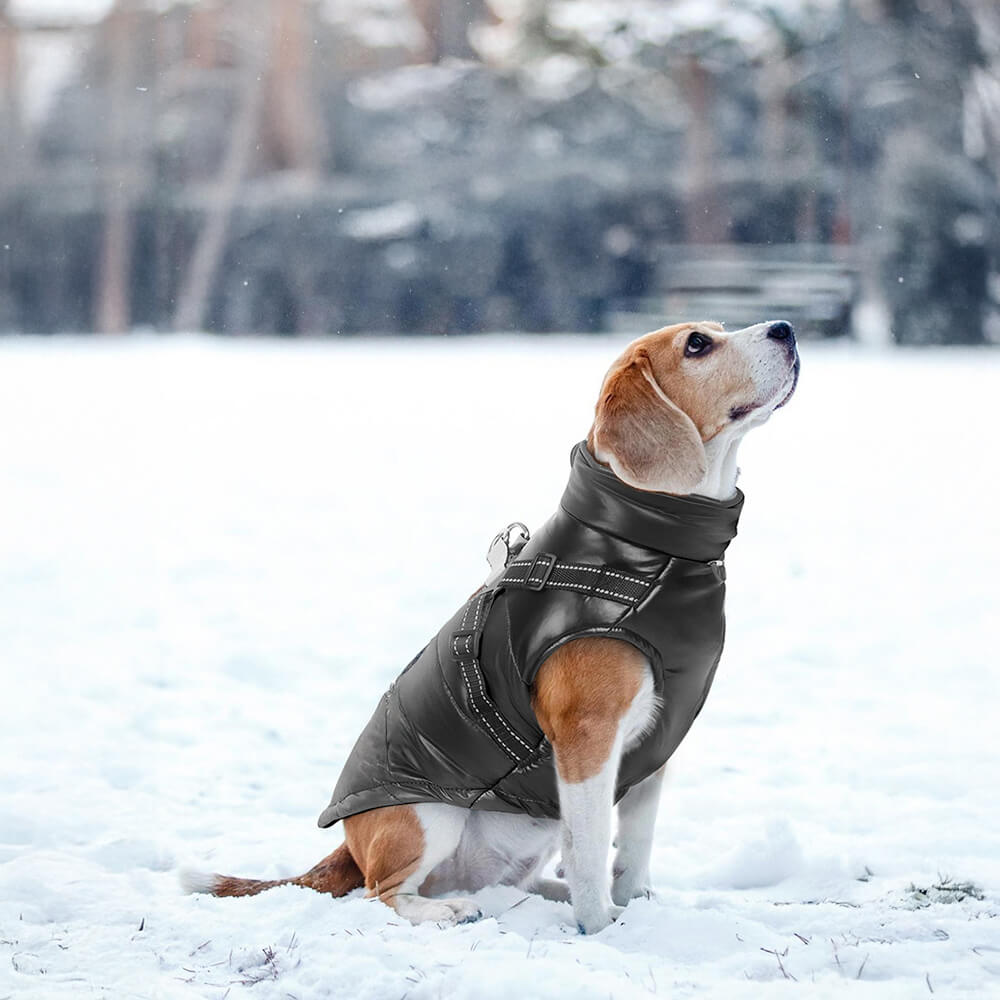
{"x":472,"y":717}
{"x":496,"y":711}
{"x":480,"y":709}
{"x":595,"y":590}
{"x":556,"y":583}
{"x":592,"y":569}
{"x":406,"y":783}
{"x":475,"y":624}
{"x":482,"y":690}
{"x":629,"y":598}
{"x":510,"y":640}
{"x":479,"y":611}
{"x":571,"y":583}
{"x":607,"y":572}
{"x":479,"y":712}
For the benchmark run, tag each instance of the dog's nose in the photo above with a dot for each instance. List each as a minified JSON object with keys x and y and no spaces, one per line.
{"x":781,"y":331}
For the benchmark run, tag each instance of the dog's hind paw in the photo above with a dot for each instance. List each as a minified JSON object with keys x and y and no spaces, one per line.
{"x":466,"y":910}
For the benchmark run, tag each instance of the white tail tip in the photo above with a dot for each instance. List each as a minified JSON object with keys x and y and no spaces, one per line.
{"x":192,"y":881}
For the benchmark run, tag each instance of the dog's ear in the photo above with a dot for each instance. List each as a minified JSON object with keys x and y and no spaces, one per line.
{"x":648,"y":441}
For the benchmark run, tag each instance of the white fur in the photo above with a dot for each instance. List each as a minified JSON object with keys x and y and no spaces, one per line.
{"x":769,"y":368}
{"x":442,"y":829}
{"x":493,"y":848}
{"x":467,"y":850}
{"x":586,"y":808}
{"x":636,"y":822}
{"x":195,"y":881}
{"x":772,"y":378}
{"x":719,"y":482}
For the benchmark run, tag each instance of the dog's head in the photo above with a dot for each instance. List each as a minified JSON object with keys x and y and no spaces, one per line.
{"x":673,"y":391}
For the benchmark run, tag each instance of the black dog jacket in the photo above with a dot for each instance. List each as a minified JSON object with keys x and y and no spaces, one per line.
{"x":457,"y":724}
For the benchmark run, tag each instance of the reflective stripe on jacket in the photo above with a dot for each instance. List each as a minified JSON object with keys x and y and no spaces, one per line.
{"x":457,"y":725}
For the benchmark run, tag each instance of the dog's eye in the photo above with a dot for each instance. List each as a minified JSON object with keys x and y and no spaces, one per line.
{"x":697,"y":343}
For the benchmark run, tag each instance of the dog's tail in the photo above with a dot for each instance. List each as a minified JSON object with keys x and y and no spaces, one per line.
{"x":336,"y":874}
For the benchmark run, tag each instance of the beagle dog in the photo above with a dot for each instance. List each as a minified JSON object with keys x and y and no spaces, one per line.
{"x":671,"y":413}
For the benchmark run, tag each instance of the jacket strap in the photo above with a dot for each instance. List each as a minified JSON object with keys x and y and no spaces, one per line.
{"x":546,"y":571}
{"x":465,"y":645}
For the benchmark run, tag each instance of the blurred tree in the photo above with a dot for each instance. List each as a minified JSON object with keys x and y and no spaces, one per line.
{"x":981,"y":136}
{"x":706,"y":218}
{"x":446,"y":25}
{"x":291,"y":120}
{"x":935,"y":203}
{"x":119,"y":165}
{"x":11,"y":151}
{"x":198,"y":283}
{"x":10,"y":101}
{"x":935,"y":267}
{"x":276,"y":126}
{"x":187,"y":177}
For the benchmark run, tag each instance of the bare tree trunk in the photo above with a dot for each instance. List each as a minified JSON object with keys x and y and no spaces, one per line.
{"x":843,"y":223}
{"x":114,"y":268}
{"x":203,"y":35}
{"x":199,"y":281}
{"x":12,"y":152}
{"x":446,"y":26}
{"x":294,"y":118}
{"x":705,"y":222}
{"x":428,"y":13}
{"x":11,"y":126}
{"x":10,"y":104}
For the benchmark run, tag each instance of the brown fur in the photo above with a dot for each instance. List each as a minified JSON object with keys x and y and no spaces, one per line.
{"x":388,"y":844}
{"x":684,"y":379}
{"x":336,"y":874}
{"x":633,"y":422}
{"x":655,"y":395}
{"x":581,"y":693}
{"x":382,"y":849}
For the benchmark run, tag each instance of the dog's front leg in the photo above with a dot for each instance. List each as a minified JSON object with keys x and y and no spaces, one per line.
{"x":636,"y":821}
{"x":586,"y":805}
{"x":583,"y":695}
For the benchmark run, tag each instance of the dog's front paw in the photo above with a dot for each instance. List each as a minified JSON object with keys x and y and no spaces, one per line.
{"x":593,"y":922}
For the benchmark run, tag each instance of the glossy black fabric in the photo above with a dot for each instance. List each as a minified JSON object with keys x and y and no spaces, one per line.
{"x":446,"y":733}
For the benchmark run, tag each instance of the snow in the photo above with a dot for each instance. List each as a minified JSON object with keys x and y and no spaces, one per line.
{"x":394,"y":221}
{"x":407,"y":84}
{"x":48,"y":61}
{"x":619,"y":31}
{"x":377,"y":23}
{"x":214,"y":555}
{"x":58,"y":12}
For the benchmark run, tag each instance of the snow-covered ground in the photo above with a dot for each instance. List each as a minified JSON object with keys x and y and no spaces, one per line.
{"x":215,"y":555}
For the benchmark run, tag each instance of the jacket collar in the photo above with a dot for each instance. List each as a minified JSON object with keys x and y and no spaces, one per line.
{"x":690,"y":527}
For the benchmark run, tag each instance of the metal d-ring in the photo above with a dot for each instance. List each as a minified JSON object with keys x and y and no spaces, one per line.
{"x":502,"y":549}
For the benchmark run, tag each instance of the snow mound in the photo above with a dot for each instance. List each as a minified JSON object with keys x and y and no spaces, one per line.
{"x":766,"y":861}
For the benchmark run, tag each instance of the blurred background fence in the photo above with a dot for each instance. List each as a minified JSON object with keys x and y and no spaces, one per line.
{"x":441,"y":166}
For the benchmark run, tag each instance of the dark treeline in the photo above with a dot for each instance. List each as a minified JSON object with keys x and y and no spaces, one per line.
{"x":298,"y":167}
